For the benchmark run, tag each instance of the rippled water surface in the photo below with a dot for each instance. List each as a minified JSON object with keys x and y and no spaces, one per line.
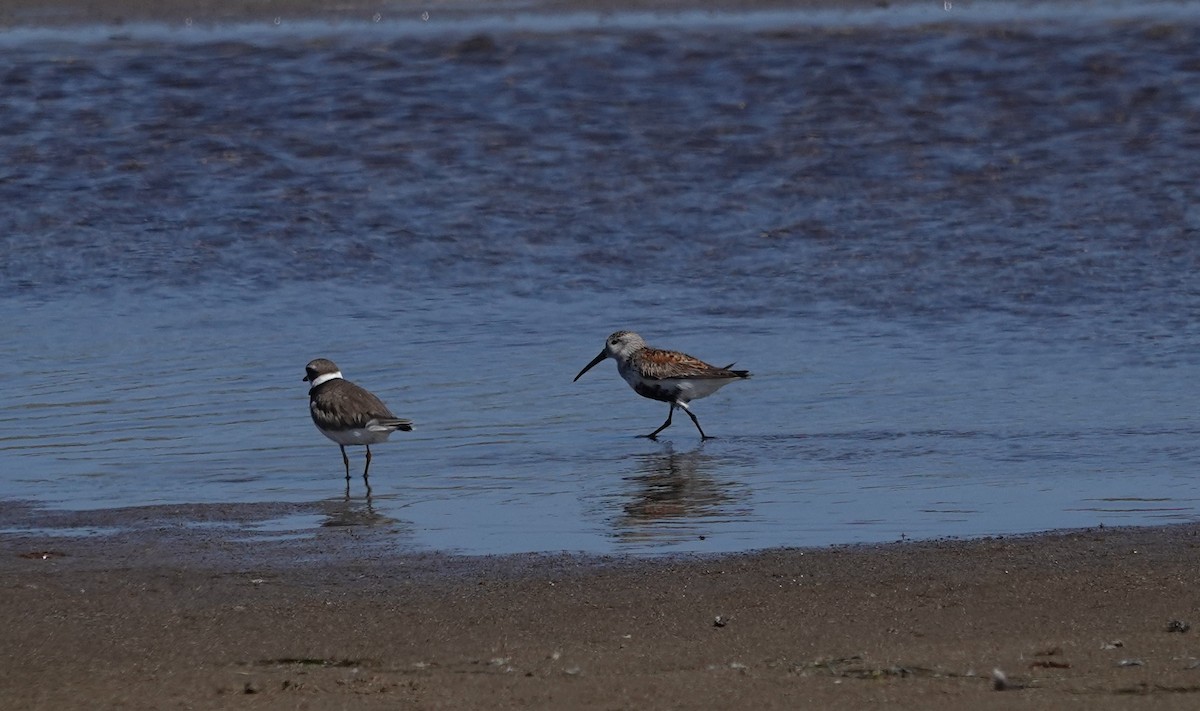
{"x":961,"y":260}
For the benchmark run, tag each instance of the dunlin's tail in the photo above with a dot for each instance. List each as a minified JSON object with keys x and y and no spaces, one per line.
{"x":739,"y":373}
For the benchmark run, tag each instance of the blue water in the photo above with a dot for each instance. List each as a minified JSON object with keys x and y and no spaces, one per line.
{"x":960,"y":259}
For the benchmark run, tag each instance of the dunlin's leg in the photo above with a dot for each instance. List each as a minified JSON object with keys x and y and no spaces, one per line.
{"x":665,"y":425}
{"x":346,"y":461}
{"x":695,"y":422}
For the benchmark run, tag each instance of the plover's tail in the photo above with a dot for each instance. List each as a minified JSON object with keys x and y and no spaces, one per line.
{"x":397,"y":423}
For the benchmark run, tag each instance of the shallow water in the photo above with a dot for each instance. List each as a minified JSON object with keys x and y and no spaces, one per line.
{"x":961,"y":260}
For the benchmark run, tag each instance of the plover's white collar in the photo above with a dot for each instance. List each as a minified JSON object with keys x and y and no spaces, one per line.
{"x":325,"y":378}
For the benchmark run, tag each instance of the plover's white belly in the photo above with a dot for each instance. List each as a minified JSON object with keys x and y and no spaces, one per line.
{"x":359,"y":435}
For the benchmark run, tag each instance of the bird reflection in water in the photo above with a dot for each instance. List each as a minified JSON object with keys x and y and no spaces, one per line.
{"x":675,"y":496}
{"x":349,"y":512}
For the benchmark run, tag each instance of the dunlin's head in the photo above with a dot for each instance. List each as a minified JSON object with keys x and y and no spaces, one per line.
{"x":620,"y":345}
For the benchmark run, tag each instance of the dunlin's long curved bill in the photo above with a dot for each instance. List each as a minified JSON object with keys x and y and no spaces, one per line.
{"x":589,"y":366}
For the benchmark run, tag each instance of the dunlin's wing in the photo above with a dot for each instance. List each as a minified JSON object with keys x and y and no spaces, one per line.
{"x":660,"y":365}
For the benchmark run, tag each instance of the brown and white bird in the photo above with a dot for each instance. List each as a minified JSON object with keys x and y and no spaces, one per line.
{"x":666,"y":376}
{"x":348,"y":414}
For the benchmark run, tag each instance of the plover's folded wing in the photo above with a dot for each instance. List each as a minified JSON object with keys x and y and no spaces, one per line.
{"x":340,"y":404}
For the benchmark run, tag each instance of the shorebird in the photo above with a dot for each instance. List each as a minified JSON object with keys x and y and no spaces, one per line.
{"x":347,"y":413}
{"x":667,"y":376}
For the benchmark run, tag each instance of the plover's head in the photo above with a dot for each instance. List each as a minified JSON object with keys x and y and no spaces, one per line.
{"x":619,"y":345}
{"x":320,"y":370}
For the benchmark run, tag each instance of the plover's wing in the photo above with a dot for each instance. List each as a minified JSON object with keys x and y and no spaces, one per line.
{"x":343,"y":405}
{"x":374,"y":409}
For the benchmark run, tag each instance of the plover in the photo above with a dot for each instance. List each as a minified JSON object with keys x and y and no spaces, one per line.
{"x":667,"y":376}
{"x":347,"y":413}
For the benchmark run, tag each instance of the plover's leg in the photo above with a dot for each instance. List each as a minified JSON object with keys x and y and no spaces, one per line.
{"x":665,"y":425}
{"x":346,"y":461}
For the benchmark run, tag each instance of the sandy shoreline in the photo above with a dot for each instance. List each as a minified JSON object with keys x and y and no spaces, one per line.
{"x":173,"y":618}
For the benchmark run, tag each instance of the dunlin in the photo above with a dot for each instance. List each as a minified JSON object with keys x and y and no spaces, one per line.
{"x":667,"y":376}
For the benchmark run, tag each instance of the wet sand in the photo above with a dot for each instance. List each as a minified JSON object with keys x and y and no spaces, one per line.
{"x":169,"y":616}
